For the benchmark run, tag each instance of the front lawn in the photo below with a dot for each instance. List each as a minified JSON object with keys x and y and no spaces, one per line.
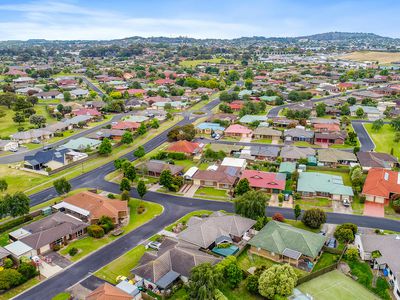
{"x":122,"y":265}
{"x":383,"y":139}
{"x":326,"y":259}
{"x":323,"y":203}
{"x":185,"y":218}
{"x":88,"y":244}
{"x":211,"y":193}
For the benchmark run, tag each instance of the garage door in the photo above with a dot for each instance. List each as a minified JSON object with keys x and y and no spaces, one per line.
{"x":44,"y":249}
{"x":336,"y":197}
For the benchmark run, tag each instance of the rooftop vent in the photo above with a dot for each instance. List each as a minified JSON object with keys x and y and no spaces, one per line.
{"x":386,"y":176}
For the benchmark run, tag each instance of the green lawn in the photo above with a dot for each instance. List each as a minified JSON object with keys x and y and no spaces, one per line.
{"x":122,"y":265}
{"x":186,"y":164}
{"x":335,"y":285}
{"x":326,"y":260}
{"x":323,"y":203}
{"x":186,"y":217}
{"x":262,"y":141}
{"x":299,"y":224}
{"x":88,"y":244}
{"x":211,"y":192}
{"x":383,"y":139}
{"x":19,"y":289}
{"x":62,"y":296}
{"x":240,"y":293}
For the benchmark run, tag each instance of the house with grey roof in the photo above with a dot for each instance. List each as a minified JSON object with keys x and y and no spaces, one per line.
{"x":266,"y":152}
{"x":155,"y":167}
{"x":371,"y":112}
{"x":81,"y":144}
{"x":262,"y":132}
{"x":25,"y":137}
{"x":299,"y":135}
{"x":293,"y":153}
{"x":284,"y":243}
{"x":333,"y":157}
{"x":382,"y":252}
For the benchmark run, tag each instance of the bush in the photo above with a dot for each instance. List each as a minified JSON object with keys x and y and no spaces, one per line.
{"x":177,"y":155}
{"x":344,"y":235}
{"x":361,"y":199}
{"x":278,"y":217}
{"x":314,"y":218}
{"x":106,"y":223}
{"x":140,"y":209}
{"x":125,"y":195}
{"x":111,"y":196}
{"x":73,"y":251}
{"x":351,"y":254}
{"x":252,"y":284}
{"x":10,"y":278}
{"x":15,"y":222}
{"x":281,"y":197}
{"x":28,"y":270}
{"x":396,"y":205}
{"x":95,"y":231}
{"x":224,"y":245}
{"x":261,"y":222}
{"x":56,"y":247}
{"x":8,"y":263}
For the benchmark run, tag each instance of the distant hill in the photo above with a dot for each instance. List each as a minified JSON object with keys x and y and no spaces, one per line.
{"x":336,"y":36}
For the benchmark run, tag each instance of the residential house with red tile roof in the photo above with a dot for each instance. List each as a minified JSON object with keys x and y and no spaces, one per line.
{"x":266,"y":181}
{"x":183,"y":146}
{"x":381,"y":185}
{"x":237,"y":130}
{"x":126,"y":125}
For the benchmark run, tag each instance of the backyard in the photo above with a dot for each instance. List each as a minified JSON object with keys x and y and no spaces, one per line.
{"x":335,"y":285}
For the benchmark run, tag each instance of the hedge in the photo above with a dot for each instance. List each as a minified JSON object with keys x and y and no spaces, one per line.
{"x":15,"y":222}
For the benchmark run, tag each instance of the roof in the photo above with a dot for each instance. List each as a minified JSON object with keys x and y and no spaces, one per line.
{"x":298,"y":132}
{"x":234,"y":162}
{"x":185,"y":147}
{"x":279,"y":237}
{"x":382,"y":182}
{"x":366,"y":109}
{"x":252,"y":118}
{"x":334,"y":155}
{"x":108,"y":292}
{"x":265,"y":180}
{"x":75,"y":120}
{"x":18,"y":248}
{"x":212,"y":126}
{"x":97,"y":205}
{"x":313,"y":182}
{"x":293,"y":152}
{"x":131,"y":289}
{"x":205,"y":231}
{"x":157,"y":166}
{"x":50,"y":229}
{"x":327,"y":126}
{"x":262,"y":130}
{"x":126,"y":125}
{"x":43,"y":157}
{"x":81,"y":143}
{"x":376,"y":159}
{"x":4,"y":253}
{"x":267,"y":151}
{"x":236,"y":128}
{"x":223,"y":174}
{"x":287,"y":167}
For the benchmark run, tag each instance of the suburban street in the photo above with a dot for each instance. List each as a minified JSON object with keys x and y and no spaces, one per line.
{"x":174,"y":208}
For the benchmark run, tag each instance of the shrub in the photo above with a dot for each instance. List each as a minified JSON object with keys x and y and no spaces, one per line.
{"x":95,"y":231}
{"x":344,"y":235}
{"x":125,"y":195}
{"x":28,"y":270}
{"x":10,"y":278}
{"x":361,"y":199}
{"x":56,"y":247}
{"x":73,"y":251}
{"x":106,"y":223}
{"x":278,"y":217}
{"x":351,"y":254}
{"x":281,"y":197}
{"x":261,"y":222}
{"x":396,"y":205}
{"x":252,"y":284}
{"x":111,"y":196}
{"x":224,"y":245}
{"x":314,"y":218}
{"x":140,"y":209}
{"x":8,"y":263}
{"x":15,"y":222}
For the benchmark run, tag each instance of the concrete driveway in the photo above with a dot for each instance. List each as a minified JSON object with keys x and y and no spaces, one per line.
{"x":338,"y":207}
{"x":373,"y":209}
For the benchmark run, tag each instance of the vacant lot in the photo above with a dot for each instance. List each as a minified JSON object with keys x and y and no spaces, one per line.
{"x":381,"y":57}
{"x":383,"y":139}
{"x":335,"y":285}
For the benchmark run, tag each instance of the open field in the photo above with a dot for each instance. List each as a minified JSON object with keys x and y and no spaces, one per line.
{"x":381,"y":57}
{"x":335,"y":285}
{"x":383,"y":139}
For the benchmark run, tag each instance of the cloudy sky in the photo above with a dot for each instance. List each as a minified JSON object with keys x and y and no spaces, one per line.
{"x":109,"y":19}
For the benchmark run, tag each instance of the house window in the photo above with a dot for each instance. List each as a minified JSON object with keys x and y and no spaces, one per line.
{"x":79,"y":233}
{"x":59,"y":241}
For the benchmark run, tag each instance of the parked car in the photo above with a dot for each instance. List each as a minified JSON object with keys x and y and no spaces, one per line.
{"x":47,"y":148}
{"x":35,"y":141}
{"x":154,"y":245}
{"x":13,"y":150}
{"x":346,"y":202}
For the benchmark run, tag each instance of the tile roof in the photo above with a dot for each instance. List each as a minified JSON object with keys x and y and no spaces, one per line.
{"x":313,"y":182}
{"x":236,"y":128}
{"x":108,"y":292}
{"x":184,"y":146}
{"x":382,"y":182}
{"x":334,"y":155}
{"x":376,"y":159}
{"x":265,"y":180}
{"x":293,"y":152}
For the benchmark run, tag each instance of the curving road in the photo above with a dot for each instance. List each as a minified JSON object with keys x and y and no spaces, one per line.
{"x":174,"y":208}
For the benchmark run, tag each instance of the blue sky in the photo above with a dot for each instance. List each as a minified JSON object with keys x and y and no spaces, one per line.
{"x":108,"y":19}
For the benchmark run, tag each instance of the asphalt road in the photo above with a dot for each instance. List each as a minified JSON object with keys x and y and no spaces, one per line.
{"x":174,"y":208}
{"x":365,"y":140}
{"x":92,"y":86}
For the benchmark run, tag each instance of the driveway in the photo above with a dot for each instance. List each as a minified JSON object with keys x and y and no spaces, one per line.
{"x":373,"y":209}
{"x":58,"y":259}
{"x":338,"y":207}
{"x":245,"y":140}
{"x":48,"y":270}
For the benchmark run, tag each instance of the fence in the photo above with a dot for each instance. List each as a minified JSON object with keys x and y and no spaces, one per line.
{"x":341,"y":170}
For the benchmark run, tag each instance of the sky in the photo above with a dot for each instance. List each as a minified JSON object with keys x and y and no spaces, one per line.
{"x":112,"y":19}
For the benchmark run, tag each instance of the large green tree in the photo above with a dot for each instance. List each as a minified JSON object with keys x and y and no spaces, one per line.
{"x":314,"y":217}
{"x":204,"y":281}
{"x":242,"y":187}
{"x":251,"y":204}
{"x":62,"y":186}
{"x":105,"y":147}
{"x":278,"y":280}
{"x":141,"y":188}
{"x":127,"y":138}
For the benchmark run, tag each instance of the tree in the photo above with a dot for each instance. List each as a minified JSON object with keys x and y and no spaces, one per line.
{"x":106,"y":223}
{"x":233,"y":274}
{"x":130,"y":172}
{"x":185,"y":132}
{"x":27,"y":270}
{"x":242,"y":187}
{"x":155,"y":124}
{"x":314,"y":218}
{"x":118,"y":163}
{"x":297,"y":211}
{"x":62,"y":186}
{"x":10,"y":278}
{"x":377,"y":125}
{"x":395,"y":123}
{"x":203,"y":282}
{"x":252,"y":284}
{"x":166,"y":178}
{"x":251,"y":204}
{"x":95,"y":231}
{"x":127,"y":138}
{"x":37,"y":120}
{"x":125,"y":184}
{"x":3,"y":185}
{"x":125,"y":196}
{"x":320,"y":109}
{"x":142,"y":129}
{"x":17,"y":204}
{"x":141,"y":188}
{"x":345,"y":109}
{"x":248,"y":84}
{"x":105,"y":147}
{"x":345,"y":232}
{"x":67,"y":96}
{"x":19,"y":118}
{"x":278,"y":280}
{"x":360,"y":112}
{"x":351,"y":100}
{"x":139,"y":152}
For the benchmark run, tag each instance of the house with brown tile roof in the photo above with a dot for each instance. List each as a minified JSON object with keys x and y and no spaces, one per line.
{"x":90,"y":207}
{"x":183,"y":146}
{"x":155,"y":167}
{"x":223,"y":177}
{"x":107,"y":291}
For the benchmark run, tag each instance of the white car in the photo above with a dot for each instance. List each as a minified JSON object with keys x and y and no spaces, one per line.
{"x":346,"y":202}
{"x":154,"y":245}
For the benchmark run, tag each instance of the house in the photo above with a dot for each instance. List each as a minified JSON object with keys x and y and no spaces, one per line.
{"x":205,"y":233}
{"x":237,"y":130}
{"x":333,"y":157}
{"x":59,"y":127}
{"x":262,"y":132}
{"x":330,"y":138}
{"x":28,"y":90}
{"x":299,"y":135}
{"x":52,"y":159}
{"x":248,"y":119}
{"x":173,"y":262}
{"x":209,"y":128}
{"x":283,"y":122}
{"x":269,"y":153}
{"x":23,"y":82}
{"x":284,"y":243}
{"x":236,"y":105}
{"x":313,"y":184}
{"x":266,"y":181}
{"x":90,"y":207}
{"x":326,"y":127}
{"x":50,"y":95}
{"x":25,"y":137}
{"x":78,"y":120}
{"x":234,"y":162}
{"x":56,"y":229}
{"x":293,"y":153}
{"x":224,"y":117}
{"x":81,"y":143}
{"x":287,"y":168}
{"x":183,"y":146}
{"x":79,"y":93}
{"x":154,"y":168}
{"x":381,"y":185}
{"x":382,"y":253}
{"x":126,"y":125}
{"x":107,"y":291}
{"x":7,"y":145}
{"x":371,"y":112}
{"x":220,"y":177}
{"x":370,"y":160}
{"x":112,"y":134}
{"x":137,"y":118}
{"x":92,"y":112}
